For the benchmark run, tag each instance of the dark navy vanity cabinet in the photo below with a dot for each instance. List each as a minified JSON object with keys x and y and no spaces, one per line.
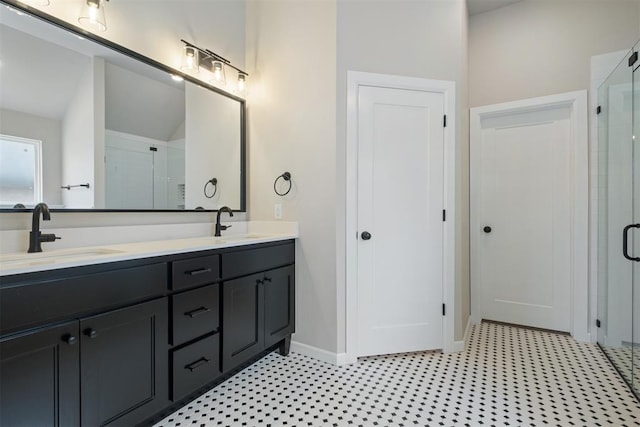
{"x":258,"y":302}
{"x":123,"y":343}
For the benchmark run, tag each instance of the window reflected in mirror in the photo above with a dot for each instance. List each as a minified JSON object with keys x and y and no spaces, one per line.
{"x":20,"y":171}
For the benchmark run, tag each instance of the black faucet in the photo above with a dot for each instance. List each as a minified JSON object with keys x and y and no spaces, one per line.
{"x":35,"y":236}
{"x":219,"y":227}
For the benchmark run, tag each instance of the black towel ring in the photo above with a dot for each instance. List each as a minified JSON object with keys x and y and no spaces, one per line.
{"x":214,"y":182}
{"x":287,"y":177}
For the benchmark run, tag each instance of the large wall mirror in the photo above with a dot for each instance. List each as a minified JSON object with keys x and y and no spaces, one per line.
{"x":85,"y":126}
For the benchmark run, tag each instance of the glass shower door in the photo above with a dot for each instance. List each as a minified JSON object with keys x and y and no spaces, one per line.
{"x":615,"y":211}
{"x":634,"y":242}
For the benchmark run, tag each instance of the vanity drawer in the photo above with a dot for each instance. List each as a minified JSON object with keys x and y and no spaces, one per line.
{"x":195,"y":313}
{"x":242,"y":263}
{"x":195,"y":271}
{"x":195,"y":366}
{"x":77,"y":291}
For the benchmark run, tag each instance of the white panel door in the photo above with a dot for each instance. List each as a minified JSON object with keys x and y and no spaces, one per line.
{"x":525,"y":230}
{"x":400,"y":203}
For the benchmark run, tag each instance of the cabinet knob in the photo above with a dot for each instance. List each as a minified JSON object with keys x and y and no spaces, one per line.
{"x":267,"y":279}
{"x":259,"y":281}
{"x":487,"y":229}
{"x":365,"y":235}
{"x":91,"y":333}
{"x":69,"y":339}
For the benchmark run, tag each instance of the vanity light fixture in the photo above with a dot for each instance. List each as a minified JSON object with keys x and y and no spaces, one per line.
{"x":204,"y":58}
{"x":92,"y":15}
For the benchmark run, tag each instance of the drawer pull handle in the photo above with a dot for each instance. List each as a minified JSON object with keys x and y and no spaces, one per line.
{"x":198,"y":363}
{"x":197,"y":312}
{"x":199,"y":271}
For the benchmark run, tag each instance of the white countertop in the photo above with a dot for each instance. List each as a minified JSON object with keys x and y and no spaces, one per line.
{"x":17,"y":263}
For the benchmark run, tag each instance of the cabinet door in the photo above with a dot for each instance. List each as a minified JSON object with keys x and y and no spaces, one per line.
{"x":39,"y":383}
{"x":242,"y":320}
{"x":124,"y":364}
{"x":279,"y":304}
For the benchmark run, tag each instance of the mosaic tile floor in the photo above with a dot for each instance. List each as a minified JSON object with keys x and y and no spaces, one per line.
{"x":508,"y":376}
{"x":627,"y":362}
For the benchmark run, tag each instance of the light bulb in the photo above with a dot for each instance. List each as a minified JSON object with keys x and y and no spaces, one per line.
{"x":190,"y":59}
{"x":92,"y":15}
{"x":242,"y":82}
{"x":218,"y":72}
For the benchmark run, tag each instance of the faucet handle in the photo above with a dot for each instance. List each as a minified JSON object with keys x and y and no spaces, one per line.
{"x":49,"y":237}
{"x":224,"y":227}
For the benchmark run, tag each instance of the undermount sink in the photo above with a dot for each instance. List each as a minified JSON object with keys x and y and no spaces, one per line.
{"x":52,"y":257}
{"x":239,"y":237}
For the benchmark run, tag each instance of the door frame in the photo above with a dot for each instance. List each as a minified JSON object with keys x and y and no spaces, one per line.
{"x":579,"y":145}
{"x":355,"y":79}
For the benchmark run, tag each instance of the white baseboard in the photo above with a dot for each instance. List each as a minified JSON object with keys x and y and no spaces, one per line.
{"x":460,"y":345}
{"x":338,"y":359}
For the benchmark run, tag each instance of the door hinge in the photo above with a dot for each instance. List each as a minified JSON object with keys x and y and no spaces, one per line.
{"x":444,"y":215}
{"x":599,"y":110}
{"x":153,"y":149}
{"x":633,"y":58}
{"x":443,"y":310}
{"x":445,"y":121}
{"x":598,"y":323}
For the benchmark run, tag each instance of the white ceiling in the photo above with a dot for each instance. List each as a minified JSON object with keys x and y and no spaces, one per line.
{"x":481,"y":6}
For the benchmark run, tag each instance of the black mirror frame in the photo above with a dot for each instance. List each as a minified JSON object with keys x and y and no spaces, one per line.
{"x":146,"y":60}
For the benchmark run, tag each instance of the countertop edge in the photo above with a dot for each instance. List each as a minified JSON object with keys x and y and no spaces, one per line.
{"x":141,"y":250}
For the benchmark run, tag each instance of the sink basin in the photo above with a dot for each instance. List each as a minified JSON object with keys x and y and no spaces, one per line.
{"x":25,"y":260}
{"x":240,"y":237}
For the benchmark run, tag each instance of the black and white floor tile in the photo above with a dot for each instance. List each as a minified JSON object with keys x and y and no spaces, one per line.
{"x":508,"y":376}
{"x":627,"y":360}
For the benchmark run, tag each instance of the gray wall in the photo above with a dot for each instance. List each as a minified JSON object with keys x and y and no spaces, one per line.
{"x":291,"y":58}
{"x":541,"y":47}
{"x":424,"y":39}
{"x":298,"y":54}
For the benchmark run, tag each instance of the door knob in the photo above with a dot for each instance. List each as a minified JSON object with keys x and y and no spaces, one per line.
{"x":365,"y":235}
{"x":487,"y":229}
